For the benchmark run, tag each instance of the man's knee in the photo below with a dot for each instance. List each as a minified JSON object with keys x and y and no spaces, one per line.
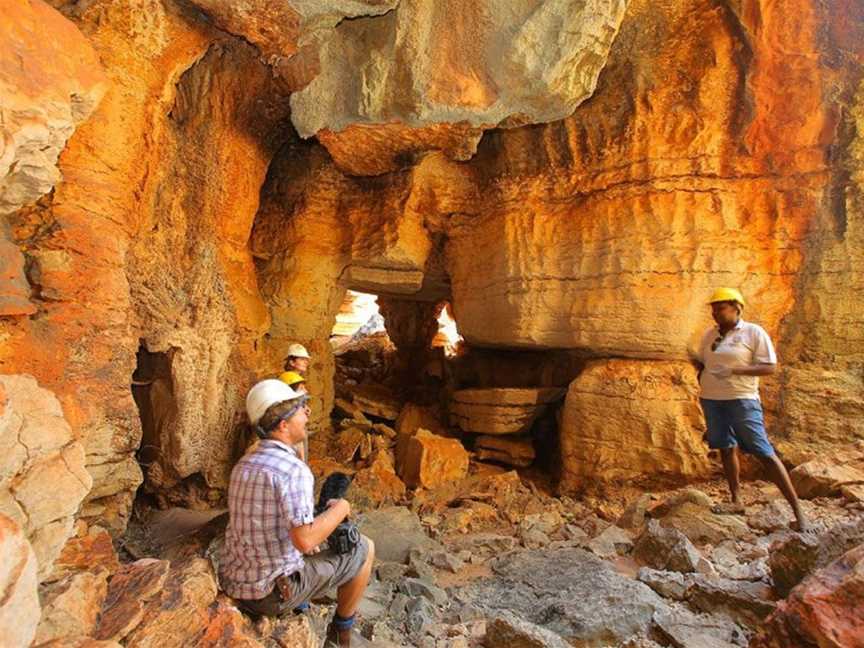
{"x":370,"y":552}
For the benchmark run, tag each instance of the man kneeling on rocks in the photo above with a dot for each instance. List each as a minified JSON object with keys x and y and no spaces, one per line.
{"x":272,"y":525}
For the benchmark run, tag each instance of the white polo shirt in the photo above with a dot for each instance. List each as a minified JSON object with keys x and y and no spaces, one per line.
{"x":746,"y":344}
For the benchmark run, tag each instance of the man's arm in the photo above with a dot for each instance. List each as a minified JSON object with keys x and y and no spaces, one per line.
{"x":308,"y":536}
{"x":759,"y":369}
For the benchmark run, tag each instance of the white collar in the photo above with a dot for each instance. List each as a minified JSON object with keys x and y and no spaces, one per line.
{"x":279,"y":444}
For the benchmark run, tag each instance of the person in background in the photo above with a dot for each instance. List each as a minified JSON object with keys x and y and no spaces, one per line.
{"x":298,"y":359}
{"x":730,"y":358}
{"x":296,"y":382}
{"x":271,"y":562}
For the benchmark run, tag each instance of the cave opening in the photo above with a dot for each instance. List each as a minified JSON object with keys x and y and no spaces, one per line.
{"x":153,"y":390}
{"x":403,"y":363}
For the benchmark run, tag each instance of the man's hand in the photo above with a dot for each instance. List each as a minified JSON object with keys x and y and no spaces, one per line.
{"x":720,"y":371}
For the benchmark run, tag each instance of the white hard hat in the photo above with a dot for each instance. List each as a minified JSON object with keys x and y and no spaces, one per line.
{"x":266,"y":393}
{"x":298,"y":351}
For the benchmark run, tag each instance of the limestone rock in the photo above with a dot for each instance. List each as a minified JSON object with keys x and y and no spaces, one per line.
{"x":348,"y":442}
{"x":826,"y":609}
{"x":613,"y":541}
{"x":569,"y":592}
{"x":377,"y":484}
{"x":395,"y":530}
{"x":431,"y":460}
{"x":50,"y":81}
{"x":683,"y":629}
{"x":40,"y":459}
{"x":90,"y":548}
{"x":19,"y":605}
{"x":745,"y":602}
{"x":514,"y":451}
{"x":488,"y":72}
{"x":626,"y":418}
{"x":669,"y":584}
{"x":826,"y":476}
{"x":376,"y":400}
{"x":71,"y":607}
{"x":129,"y":592}
{"x":281,"y":29}
{"x":178,"y":613}
{"x":702,"y":526}
{"x":412,"y":418}
{"x":633,"y":516}
{"x":796,"y":556}
{"x":499,"y":410}
{"x":507,"y":629}
{"x":80,"y":642}
{"x":666,"y":549}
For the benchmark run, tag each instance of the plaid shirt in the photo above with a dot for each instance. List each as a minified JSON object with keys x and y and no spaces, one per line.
{"x":270,"y":492}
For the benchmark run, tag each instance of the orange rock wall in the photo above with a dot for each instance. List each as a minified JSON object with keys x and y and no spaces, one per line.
{"x":722,"y":145}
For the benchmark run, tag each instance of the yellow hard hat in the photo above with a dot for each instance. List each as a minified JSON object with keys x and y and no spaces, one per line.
{"x":291,"y":378}
{"x":726,"y":294}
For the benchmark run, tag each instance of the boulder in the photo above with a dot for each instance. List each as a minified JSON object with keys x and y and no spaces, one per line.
{"x":129,"y":592}
{"x":633,"y":516}
{"x":702,"y":526}
{"x":395,"y":530}
{"x":825,"y":609}
{"x":685,"y":496}
{"x":377,"y":484}
{"x":347,"y":444}
{"x":412,"y":418}
{"x":180,"y":611}
{"x":489,"y":72}
{"x":376,"y":400}
{"x":80,"y":642}
{"x":826,"y":476}
{"x":38,"y":459}
{"x":52,"y":80}
{"x":746,"y":602}
{"x":513,"y":451}
{"x":19,"y":603}
{"x":629,"y":418}
{"x":71,"y":607}
{"x":499,"y":410}
{"x":681,"y":628}
{"x":669,"y":584}
{"x":507,"y":629}
{"x":795,"y":556}
{"x":431,"y":460}
{"x":569,"y":592}
{"x":90,"y":548}
{"x":666,"y":549}
{"x":613,"y":541}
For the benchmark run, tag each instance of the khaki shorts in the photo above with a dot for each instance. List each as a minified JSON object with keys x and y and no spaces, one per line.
{"x":321,"y":573}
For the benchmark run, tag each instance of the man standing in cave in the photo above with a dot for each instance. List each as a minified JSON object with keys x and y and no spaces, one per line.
{"x":271,"y":562}
{"x":731,"y":357}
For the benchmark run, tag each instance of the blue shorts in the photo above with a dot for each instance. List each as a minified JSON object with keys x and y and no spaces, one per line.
{"x":737,"y":423}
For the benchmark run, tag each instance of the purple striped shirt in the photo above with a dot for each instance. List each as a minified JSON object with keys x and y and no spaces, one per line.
{"x":270,"y":492}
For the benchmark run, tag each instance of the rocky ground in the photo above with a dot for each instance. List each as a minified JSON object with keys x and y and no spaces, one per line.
{"x":493,"y":559}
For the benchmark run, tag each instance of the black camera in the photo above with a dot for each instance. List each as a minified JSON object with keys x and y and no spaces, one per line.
{"x":346,"y":536}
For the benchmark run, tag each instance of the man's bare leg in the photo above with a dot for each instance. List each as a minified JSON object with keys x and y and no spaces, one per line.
{"x":732,"y":470}
{"x":348,"y":596}
{"x":777,"y":473}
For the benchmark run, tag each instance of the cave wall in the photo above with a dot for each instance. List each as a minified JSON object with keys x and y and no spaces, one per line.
{"x":721,"y":145}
